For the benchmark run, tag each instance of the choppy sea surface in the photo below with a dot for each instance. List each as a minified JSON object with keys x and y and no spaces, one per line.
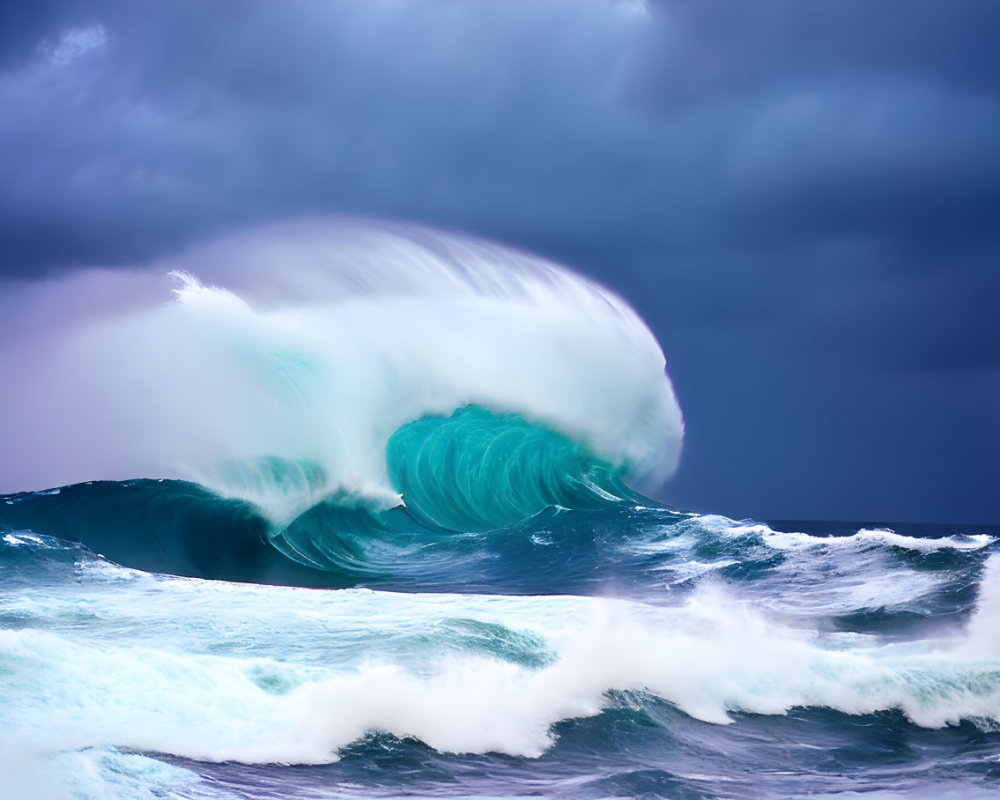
{"x":347,"y":509}
{"x":623,"y":651}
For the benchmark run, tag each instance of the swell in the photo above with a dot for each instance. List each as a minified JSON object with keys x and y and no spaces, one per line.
{"x":474,"y":485}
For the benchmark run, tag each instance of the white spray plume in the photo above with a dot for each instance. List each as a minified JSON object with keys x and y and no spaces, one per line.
{"x":315,"y":341}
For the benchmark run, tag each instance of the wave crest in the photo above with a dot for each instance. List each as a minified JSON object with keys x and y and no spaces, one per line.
{"x":473,"y":471}
{"x":313,"y":343}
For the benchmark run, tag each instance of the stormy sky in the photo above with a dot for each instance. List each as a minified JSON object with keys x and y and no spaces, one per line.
{"x":801,"y":198}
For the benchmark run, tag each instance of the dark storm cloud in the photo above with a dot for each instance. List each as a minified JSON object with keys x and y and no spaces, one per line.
{"x":437,"y":111}
{"x":716,"y":46}
{"x":801,"y":197}
{"x":561,"y":121}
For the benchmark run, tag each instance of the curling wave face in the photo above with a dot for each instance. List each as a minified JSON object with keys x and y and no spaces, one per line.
{"x":325,"y":377}
{"x":317,"y":341}
{"x":473,"y":472}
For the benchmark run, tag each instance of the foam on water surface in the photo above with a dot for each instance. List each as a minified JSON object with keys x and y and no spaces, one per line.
{"x":452,"y":434}
{"x":464,"y":675}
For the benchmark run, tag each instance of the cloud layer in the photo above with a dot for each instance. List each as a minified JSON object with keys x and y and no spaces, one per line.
{"x":800,"y":197}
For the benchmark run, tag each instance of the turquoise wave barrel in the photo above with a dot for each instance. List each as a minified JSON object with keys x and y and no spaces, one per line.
{"x":477,"y":470}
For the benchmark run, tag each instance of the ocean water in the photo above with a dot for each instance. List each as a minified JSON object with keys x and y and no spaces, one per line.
{"x":368,"y":517}
{"x":614,"y":652}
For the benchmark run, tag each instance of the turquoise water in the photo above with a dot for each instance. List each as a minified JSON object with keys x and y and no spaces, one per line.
{"x":349,"y":515}
{"x":524,"y":624}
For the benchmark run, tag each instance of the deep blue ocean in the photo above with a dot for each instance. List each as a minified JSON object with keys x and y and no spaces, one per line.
{"x":622,"y":651}
{"x":336,"y":510}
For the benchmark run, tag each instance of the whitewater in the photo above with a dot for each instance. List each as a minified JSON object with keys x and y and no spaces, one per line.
{"x":344,"y":508}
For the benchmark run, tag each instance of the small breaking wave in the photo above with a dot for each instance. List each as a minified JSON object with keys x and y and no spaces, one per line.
{"x":713,"y":658}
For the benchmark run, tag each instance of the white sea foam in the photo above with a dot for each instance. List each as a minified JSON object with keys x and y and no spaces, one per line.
{"x":316,"y":341}
{"x":89,"y":774}
{"x":811,"y":590}
{"x":866,"y":537}
{"x":24,"y":539}
{"x":888,"y":538}
{"x":983,"y":638}
{"x":711,"y":657}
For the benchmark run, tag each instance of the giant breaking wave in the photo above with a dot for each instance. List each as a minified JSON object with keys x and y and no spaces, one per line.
{"x":265,"y":407}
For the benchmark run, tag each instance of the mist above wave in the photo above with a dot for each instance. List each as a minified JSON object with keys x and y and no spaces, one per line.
{"x":314,"y":342}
